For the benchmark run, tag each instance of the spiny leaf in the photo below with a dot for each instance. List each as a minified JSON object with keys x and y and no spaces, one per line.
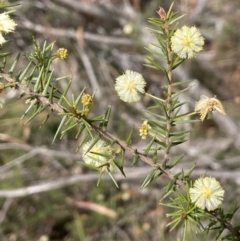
{"x":38,"y":82}
{"x":47,"y":84}
{"x":175,"y":65}
{"x":64,"y":119}
{"x":82,"y":127}
{"x":181,"y":82}
{"x":180,"y":92}
{"x":153,"y":174}
{"x":179,"y":133}
{"x":83,"y":140}
{"x":25,"y":71}
{"x":33,"y":102}
{"x":177,"y":105}
{"x":129,"y":138}
{"x":176,"y":19}
{"x":176,"y":161}
{"x":148,"y":148}
{"x":40,"y":109}
{"x":120,"y":167}
{"x":182,"y":116}
{"x":170,"y":10}
{"x":113,"y":179}
{"x":46,"y":118}
{"x":135,"y":159}
{"x":65,"y":92}
{"x":14,"y":64}
{"x":189,"y":172}
{"x":70,"y":126}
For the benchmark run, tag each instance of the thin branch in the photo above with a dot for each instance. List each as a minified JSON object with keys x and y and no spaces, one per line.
{"x":87,"y":63}
{"x":63,"y":182}
{"x":32,"y":151}
{"x":5,"y":209}
{"x":226,"y":224}
{"x":18,"y":161}
{"x":131,"y":173}
{"x":72,"y":34}
{"x":92,"y":9}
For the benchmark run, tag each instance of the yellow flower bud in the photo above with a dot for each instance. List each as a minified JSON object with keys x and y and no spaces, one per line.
{"x":62,"y":53}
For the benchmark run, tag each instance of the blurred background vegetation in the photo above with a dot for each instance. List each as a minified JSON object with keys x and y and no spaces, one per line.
{"x":46,"y":193}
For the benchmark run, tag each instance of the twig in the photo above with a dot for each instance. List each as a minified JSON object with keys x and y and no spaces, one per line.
{"x":92,"y":207}
{"x":18,"y":161}
{"x":33,"y":151}
{"x":72,"y":34}
{"x":226,"y":224}
{"x":87,"y":63}
{"x":131,"y":173}
{"x":5,"y":208}
{"x":91,"y":9}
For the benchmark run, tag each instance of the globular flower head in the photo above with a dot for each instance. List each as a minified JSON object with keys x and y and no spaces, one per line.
{"x":186,"y":42}
{"x":6,"y":25}
{"x":98,"y":154}
{"x":144,"y":129}
{"x":62,"y":53}
{"x":206,"y":104}
{"x":129,"y":86}
{"x":86,"y":99}
{"x":207,"y":193}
